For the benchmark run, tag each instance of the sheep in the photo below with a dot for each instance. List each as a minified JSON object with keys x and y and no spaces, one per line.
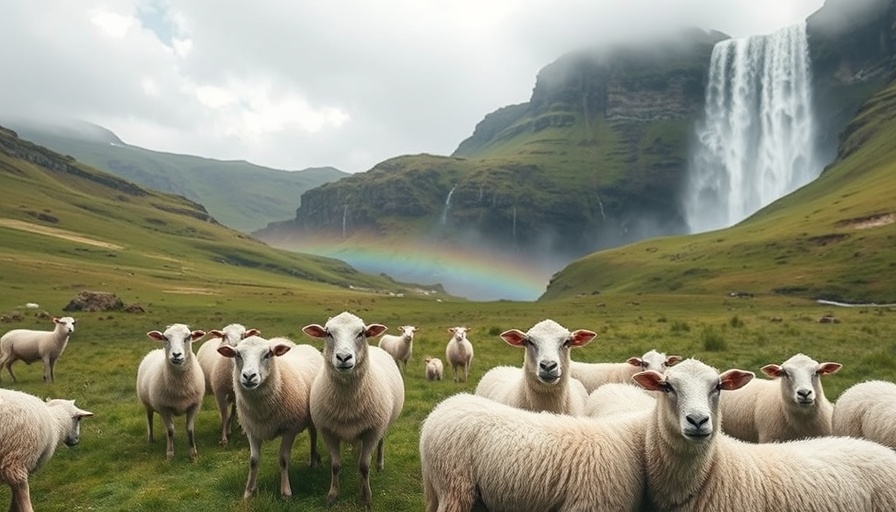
{"x":434,"y":368}
{"x":543,"y":383}
{"x":790,"y":406}
{"x":615,"y":398}
{"x":473,"y":449}
{"x":459,"y":352}
{"x":218,"y":372}
{"x":170,"y":382}
{"x":867,"y":410}
{"x":28,"y":345}
{"x":401,"y":346}
{"x":29,"y":434}
{"x":692,"y":466}
{"x":272,"y":381}
{"x":594,"y":375}
{"x":357,"y":397}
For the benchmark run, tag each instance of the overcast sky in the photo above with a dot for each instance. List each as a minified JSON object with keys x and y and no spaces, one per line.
{"x":297,"y":84}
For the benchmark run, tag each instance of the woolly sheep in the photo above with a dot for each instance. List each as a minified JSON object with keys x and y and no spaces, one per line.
{"x":790,"y":406}
{"x":615,"y":398}
{"x":29,"y":434}
{"x":868,"y":410}
{"x":357,"y":397}
{"x":594,"y":375}
{"x":401,"y":346}
{"x":459,"y":352}
{"x":272,"y":380}
{"x":29,"y":346}
{"x":474,"y":449}
{"x":170,"y":382}
{"x":218,"y":372}
{"x":434,"y":368}
{"x":693,"y":467}
{"x":543,"y":383}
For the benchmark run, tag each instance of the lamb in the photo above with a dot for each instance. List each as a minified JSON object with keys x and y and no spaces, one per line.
{"x":30,"y":345}
{"x":459,"y":352}
{"x":272,"y":380}
{"x":357,"y":397}
{"x":218,"y":372}
{"x":401,"y":346}
{"x":434,"y":368}
{"x":473,"y":449}
{"x":867,"y":410}
{"x":170,"y":382}
{"x":543,"y":383}
{"x":791,"y":406}
{"x":615,"y":398}
{"x":594,"y":375}
{"x":29,"y":434}
{"x":693,"y":467}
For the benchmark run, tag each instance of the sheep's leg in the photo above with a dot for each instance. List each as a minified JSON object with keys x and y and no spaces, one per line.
{"x":149,"y":436}
{"x":312,"y":439}
{"x":367,"y":445}
{"x":254,"y":459}
{"x":223,"y":410}
{"x":50,"y":370}
{"x":285,"y":450}
{"x":169,"y":433}
{"x":9,"y":368}
{"x":21,"y":497}
{"x":191,"y":431}
{"x":332,"y":443}
{"x":466,"y":372}
{"x":380,"y":456}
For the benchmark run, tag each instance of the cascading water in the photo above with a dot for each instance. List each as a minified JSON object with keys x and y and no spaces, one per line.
{"x":756,"y":142}
{"x":344,"y":220}
{"x":444,"y":219}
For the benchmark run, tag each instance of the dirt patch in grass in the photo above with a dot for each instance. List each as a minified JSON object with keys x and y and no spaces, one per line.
{"x":190,"y":291}
{"x":55,"y":232}
{"x":869,"y":221}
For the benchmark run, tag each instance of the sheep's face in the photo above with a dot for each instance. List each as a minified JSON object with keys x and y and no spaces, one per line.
{"x":690,"y":396}
{"x":178,"y":340}
{"x":233,"y":334}
{"x":67,"y":324}
{"x":459,"y":334}
{"x":71,"y":419}
{"x":800,"y":378}
{"x":654,"y":360}
{"x":345,"y":340}
{"x":547,"y":347}
{"x":407,"y":332}
{"x":253,"y":358}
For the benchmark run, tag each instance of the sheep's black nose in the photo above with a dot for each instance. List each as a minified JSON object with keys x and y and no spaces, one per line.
{"x":548,"y":366}
{"x":697,"y":420}
{"x":343,"y":358}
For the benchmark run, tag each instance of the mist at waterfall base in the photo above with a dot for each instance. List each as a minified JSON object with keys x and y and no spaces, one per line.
{"x":756,"y":142}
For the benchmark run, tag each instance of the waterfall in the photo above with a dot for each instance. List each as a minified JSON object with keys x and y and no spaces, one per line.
{"x":444,"y":220}
{"x":756,"y":142}
{"x":344,"y":219}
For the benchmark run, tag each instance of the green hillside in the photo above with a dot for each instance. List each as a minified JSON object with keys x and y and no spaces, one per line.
{"x":833,"y":239}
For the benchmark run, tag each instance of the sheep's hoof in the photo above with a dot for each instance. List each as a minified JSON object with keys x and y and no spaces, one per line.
{"x":223,"y":442}
{"x":315,"y":461}
{"x":331,"y":499}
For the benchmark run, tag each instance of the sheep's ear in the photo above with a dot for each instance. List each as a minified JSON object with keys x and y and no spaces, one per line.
{"x":772,"y":370}
{"x":227,"y":351}
{"x":735,"y":379}
{"x":195,"y":335}
{"x":216,"y":333}
{"x":514,"y":337}
{"x":156,"y":335}
{"x":673,"y":360}
{"x":315,"y":331}
{"x":374,"y":330}
{"x":81,"y":413}
{"x":635,"y":361}
{"x":251,"y":332}
{"x":828,"y":368}
{"x":280,"y":349}
{"x":581,"y":337}
{"x":56,"y":320}
{"x":651,"y":380}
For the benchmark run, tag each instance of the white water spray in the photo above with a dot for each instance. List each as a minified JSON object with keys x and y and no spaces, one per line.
{"x":344,"y":219}
{"x":757,"y":139}
{"x":444,"y":220}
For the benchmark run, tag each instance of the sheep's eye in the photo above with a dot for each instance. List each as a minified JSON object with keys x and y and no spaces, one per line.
{"x":666,"y":387}
{"x":269,"y":355}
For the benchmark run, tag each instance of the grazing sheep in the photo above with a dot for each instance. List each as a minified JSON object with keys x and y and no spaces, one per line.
{"x":594,"y":375}
{"x":615,"y":398}
{"x":357,"y":397}
{"x":29,"y":346}
{"x":543,"y":383}
{"x":30,"y":431}
{"x":218,"y":372}
{"x":790,"y":406}
{"x":401,"y":346}
{"x":272,"y":380}
{"x":459,"y":352}
{"x":473,"y":449}
{"x":170,"y":382}
{"x":868,"y":410}
{"x":434,"y":368}
{"x":693,"y":467}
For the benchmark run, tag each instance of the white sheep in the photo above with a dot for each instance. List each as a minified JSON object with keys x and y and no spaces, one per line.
{"x":434,"y":368}
{"x":543,"y":383}
{"x":170,"y":382}
{"x":357,"y":397}
{"x":400,"y":346}
{"x":594,"y":375}
{"x":867,"y":410}
{"x":693,"y":467}
{"x":29,"y":434}
{"x":790,"y":406}
{"x":473,"y":449}
{"x":29,"y":346}
{"x":272,"y":380}
{"x":459,"y":353}
{"x":218,"y":372}
{"x":615,"y":398}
